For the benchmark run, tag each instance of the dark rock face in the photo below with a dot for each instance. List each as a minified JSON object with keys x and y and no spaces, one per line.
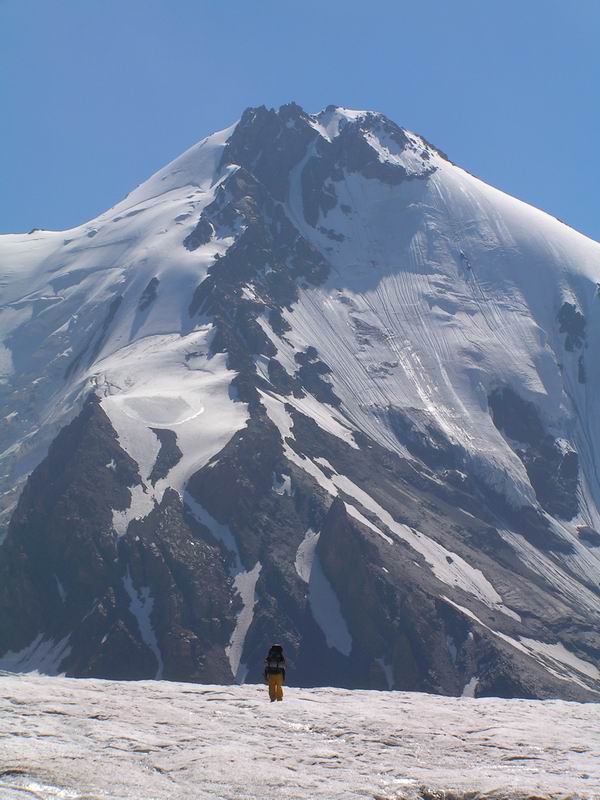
{"x":581,"y":374}
{"x":270,"y":144}
{"x":149,"y":294}
{"x":589,"y":536}
{"x":572,"y":322}
{"x":202,"y":234}
{"x":160,"y":601}
{"x":424,"y":439}
{"x":64,"y":572}
{"x":62,"y":529}
{"x":168,"y":456}
{"x":193,"y":602}
{"x":553,"y":473}
{"x":311,"y":376}
{"x":271,"y":255}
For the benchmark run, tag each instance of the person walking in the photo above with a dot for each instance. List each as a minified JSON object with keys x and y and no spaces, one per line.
{"x":275,"y":672}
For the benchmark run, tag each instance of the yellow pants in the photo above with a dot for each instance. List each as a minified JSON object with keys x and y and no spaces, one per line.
{"x":276,"y":687}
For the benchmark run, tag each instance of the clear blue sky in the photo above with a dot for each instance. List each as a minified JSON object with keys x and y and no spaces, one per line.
{"x":96,"y":95}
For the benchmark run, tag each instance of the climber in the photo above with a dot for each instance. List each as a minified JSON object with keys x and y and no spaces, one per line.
{"x":275,"y":672}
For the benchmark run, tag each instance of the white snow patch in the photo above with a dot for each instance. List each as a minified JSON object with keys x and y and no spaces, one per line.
{"x":354,"y":512}
{"x":558,"y":653}
{"x":323,"y":601}
{"x":451,"y":646}
{"x":324,"y":463}
{"x":219,"y":530}
{"x":41,"y":655}
{"x":326,"y":610}
{"x":160,"y":385}
{"x":60,"y":587}
{"x":282,"y":485}
{"x":245,"y":584}
{"x":471,"y":687}
{"x":141,"y":607}
{"x":141,"y":504}
{"x":326,"y":417}
{"x":387,"y":671}
{"x":330,"y":122}
{"x":305,"y":555}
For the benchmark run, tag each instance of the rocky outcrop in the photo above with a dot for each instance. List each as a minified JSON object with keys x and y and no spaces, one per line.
{"x":157,"y":600}
{"x":61,"y":535}
{"x":572,"y":323}
{"x":168,"y":456}
{"x":552,"y":469}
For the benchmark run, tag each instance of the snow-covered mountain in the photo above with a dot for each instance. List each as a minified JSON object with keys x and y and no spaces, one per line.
{"x":310,"y":382}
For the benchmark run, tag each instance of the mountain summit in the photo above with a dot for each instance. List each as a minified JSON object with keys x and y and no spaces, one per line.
{"x":314,"y":383}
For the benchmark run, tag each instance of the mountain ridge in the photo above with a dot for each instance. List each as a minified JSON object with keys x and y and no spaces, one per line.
{"x":319,"y":331}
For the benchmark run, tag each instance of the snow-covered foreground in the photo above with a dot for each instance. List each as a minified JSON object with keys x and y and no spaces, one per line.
{"x":97,"y":739}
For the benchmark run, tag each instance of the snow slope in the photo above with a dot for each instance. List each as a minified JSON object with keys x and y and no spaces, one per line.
{"x":134,"y":741}
{"x":456,"y":286}
{"x":76,"y":299}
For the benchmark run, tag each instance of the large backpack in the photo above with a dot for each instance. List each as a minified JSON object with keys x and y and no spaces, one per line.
{"x":275,"y":661}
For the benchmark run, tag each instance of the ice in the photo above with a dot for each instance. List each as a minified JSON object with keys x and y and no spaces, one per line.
{"x":245,"y":585}
{"x":138,"y":740}
{"x":558,"y":653}
{"x":60,"y":587}
{"x":354,"y":512}
{"x":41,"y":655}
{"x":220,"y":531}
{"x":324,"y":603}
{"x":330,"y":121}
{"x":447,"y":566}
{"x":305,"y":555}
{"x":457,"y":283}
{"x":140,"y":505}
{"x":141,"y":607}
{"x":441,"y":290}
{"x":282,"y":485}
{"x":387,"y":671}
{"x":471,"y":687}
{"x":154,"y":383}
{"x":326,"y":416}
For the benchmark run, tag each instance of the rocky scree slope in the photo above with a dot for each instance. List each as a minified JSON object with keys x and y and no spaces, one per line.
{"x":310,"y":382}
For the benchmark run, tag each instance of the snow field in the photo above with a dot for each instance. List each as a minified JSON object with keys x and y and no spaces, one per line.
{"x":86,"y":739}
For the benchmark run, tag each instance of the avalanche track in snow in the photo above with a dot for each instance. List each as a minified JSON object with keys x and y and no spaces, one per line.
{"x":84,"y":739}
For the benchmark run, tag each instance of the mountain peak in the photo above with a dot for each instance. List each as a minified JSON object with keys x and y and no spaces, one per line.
{"x":345,"y":398}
